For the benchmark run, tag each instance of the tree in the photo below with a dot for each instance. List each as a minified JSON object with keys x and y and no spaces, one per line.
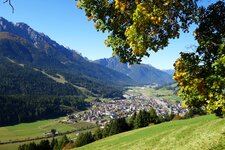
{"x":142,"y":119}
{"x":44,"y":145}
{"x":153,"y":116}
{"x":137,"y":27}
{"x":118,"y":125}
{"x":105,"y":130}
{"x":53,"y":131}
{"x":132,"y":120}
{"x":22,"y":147}
{"x":30,"y":146}
{"x":83,"y":139}
{"x":98,"y":134}
{"x":200,"y":75}
{"x":63,"y":142}
{"x":54,"y":144}
{"x":192,"y":112}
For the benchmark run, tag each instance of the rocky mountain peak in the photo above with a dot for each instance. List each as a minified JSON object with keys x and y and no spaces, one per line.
{"x":37,"y":39}
{"x":2,"y":21}
{"x":25,"y":31}
{"x":22,"y":25}
{"x":5,"y":25}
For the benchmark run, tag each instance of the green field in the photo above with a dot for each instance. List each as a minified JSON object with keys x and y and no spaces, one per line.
{"x":36,"y":129}
{"x":201,"y":133}
{"x":151,"y":92}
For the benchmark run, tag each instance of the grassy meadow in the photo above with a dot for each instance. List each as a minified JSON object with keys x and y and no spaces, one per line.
{"x":151,"y":92}
{"x":35,"y":129}
{"x":200,"y":133}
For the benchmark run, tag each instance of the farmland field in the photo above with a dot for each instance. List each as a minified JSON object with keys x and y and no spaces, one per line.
{"x":156,"y":93}
{"x":36,"y":129}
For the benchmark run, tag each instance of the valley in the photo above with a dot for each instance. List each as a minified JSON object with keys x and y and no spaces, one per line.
{"x":99,"y":112}
{"x":41,"y":79}
{"x":136,"y":99}
{"x":48,"y":91}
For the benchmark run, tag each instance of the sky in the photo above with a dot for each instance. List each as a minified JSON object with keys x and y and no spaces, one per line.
{"x":63,"y":22}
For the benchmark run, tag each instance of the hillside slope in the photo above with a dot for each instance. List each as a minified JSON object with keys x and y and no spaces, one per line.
{"x":201,"y":133}
{"x":141,"y":73}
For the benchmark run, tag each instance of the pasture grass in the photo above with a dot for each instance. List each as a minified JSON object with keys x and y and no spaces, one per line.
{"x":200,"y":133}
{"x":47,"y":126}
{"x":35,"y":129}
{"x":151,"y":92}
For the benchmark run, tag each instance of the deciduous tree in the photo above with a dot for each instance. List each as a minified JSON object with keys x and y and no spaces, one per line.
{"x":201,"y":74}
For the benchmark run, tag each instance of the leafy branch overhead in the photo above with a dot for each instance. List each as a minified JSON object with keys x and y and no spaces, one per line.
{"x":10,"y":4}
{"x":137,"y":27}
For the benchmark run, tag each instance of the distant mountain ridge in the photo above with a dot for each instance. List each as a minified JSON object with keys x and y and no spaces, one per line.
{"x":169,"y":71}
{"x":141,"y":73}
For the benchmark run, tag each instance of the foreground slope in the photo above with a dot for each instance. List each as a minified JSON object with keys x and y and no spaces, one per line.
{"x":201,"y":133}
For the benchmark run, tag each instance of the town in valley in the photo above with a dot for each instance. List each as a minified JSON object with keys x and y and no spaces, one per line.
{"x":102,"y":111}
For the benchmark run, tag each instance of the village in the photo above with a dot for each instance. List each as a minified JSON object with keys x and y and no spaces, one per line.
{"x":102,"y":112}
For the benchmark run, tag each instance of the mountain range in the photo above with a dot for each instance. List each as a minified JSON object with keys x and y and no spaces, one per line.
{"x":20,"y":44}
{"x":40,"y":78}
{"x":140,"y":73}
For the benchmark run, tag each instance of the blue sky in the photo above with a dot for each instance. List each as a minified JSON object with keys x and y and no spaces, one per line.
{"x":62,"y":21}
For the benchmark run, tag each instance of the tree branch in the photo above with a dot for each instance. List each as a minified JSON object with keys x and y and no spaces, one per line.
{"x":9,"y":1}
